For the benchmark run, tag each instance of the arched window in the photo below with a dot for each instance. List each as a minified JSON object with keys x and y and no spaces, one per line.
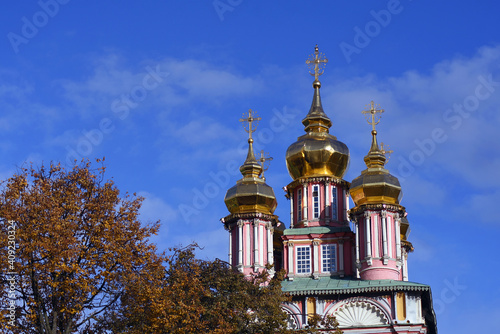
{"x":315,"y":199}
{"x":334,"y":203}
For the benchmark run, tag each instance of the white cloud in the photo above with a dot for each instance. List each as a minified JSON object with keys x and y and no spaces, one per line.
{"x":204,"y":131}
{"x":201,"y":79}
{"x":480,"y":207}
{"x":154,"y":208}
{"x":179,"y":83}
{"x":210,"y":243}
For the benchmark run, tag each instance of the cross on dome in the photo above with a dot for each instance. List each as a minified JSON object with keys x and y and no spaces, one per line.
{"x":250,"y":119}
{"x":317,"y":62}
{"x":385,"y":150}
{"x":373,"y":112}
{"x":264,"y":157}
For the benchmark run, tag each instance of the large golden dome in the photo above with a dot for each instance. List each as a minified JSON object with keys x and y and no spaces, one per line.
{"x":251,"y":194}
{"x":375,"y":185}
{"x":317,"y":153}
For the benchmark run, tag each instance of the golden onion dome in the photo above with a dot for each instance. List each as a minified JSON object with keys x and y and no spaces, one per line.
{"x":251,"y":194}
{"x":317,"y":153}
{"x":375,"y":185}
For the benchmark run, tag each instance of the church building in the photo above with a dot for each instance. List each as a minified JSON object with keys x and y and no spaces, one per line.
{"x":347,"y":262}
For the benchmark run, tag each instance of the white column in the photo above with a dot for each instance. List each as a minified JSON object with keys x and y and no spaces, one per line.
{"x":261,"y":244}
{"x":270,"y":256}
{"x":291,"y":210}
{"x":398,"y":239}
{"x":368,"y":235}
{"x":248,"y":250}
{"x":290,"y":258}
{"x":304,"y":201}
{"x":327,"y":202}
{"x":405,"y":266}
{"x":230,"y":253}
{"x":389,"y":237}
{"x":240,"y":244}
{"x":383,"y":214}
{"x":344,"y":205}
{"x":315,"y":259}
{"x":346,"y":198}
{"x":375,"y":237}
{"x":256,"y":243}
{"x":357,"y":239}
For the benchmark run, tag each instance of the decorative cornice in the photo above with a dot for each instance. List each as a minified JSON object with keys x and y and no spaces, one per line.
{"x":232,"y":218}
{"x":354,"y":291}
{"x":358,"y":210}
{"x":316,"y":179}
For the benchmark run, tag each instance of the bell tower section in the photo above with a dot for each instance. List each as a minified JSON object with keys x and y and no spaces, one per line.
{"x":381,"y":224}
{"x":253,"y":228}
{"x":319,"y":241}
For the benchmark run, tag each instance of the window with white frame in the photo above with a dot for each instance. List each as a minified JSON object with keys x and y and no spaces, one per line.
{"x":329,"y":258}
{"x":315,"y":199}
{"x":334,"y":203}
{"x":299,"y":205}
{"x":303,"y":260}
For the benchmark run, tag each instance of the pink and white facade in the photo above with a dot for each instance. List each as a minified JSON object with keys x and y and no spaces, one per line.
{"x":379,"y":253}
{"x":251,"y":242}
{"x":347,"y":262}
{"x":318,"y":205}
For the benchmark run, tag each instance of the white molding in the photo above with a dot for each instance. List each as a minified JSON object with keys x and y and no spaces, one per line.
{"x":359,"y":311}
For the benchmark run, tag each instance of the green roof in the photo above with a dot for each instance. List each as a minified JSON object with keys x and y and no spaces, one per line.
{"x":316,"y":230}
{"x":329,"y":285}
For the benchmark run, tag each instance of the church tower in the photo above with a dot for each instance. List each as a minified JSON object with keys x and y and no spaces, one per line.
{"x":253,"y":228}
{"x":319,"y":241}
{"x":360,"y":277}
{"x":381,"y":225}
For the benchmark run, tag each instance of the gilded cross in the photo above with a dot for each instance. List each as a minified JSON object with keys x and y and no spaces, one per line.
{"x":373,"y":112}
{"x":317,"y":62}
{"x":263,"y":159}
{"x":385,"y":150}
{"x":250,"y":119}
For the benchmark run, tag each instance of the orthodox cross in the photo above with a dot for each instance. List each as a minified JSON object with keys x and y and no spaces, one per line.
{"x":317,"y":62}
{"x":385,"y":150}
{"x":263,"y":159}
{"x":250,"y":119}
{"x":373,"y":112}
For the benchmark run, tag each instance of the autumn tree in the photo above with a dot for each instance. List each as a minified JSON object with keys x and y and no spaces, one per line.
{"x":321,"y":324}
{"x":189,"y":295}
{"x":75,"y":244}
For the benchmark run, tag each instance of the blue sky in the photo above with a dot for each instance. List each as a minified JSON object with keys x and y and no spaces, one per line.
{"x":158,"y":87}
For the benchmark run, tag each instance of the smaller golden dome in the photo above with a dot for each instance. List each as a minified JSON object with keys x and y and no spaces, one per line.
{"x":251,"y":194}
{"x":375,"y":185}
